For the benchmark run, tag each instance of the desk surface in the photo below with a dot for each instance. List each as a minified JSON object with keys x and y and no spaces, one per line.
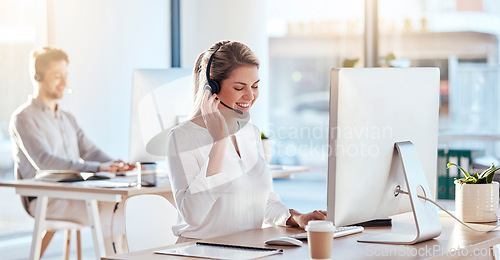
{"x":67,"y":186}
{"x":453,"y":238}
{"x":44,"y":190}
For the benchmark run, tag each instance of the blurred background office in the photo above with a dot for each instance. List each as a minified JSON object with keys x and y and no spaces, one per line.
{"x":298,"y":42}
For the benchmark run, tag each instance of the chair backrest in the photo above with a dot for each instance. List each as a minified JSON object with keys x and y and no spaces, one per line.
{"x":24,"y":201}
{"x":148,"y":222}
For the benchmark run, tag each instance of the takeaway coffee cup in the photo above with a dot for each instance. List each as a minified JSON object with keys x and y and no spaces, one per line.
{"x":320,"y":238}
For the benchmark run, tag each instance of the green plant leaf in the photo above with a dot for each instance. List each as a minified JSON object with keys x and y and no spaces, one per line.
{"x":487,"y":171}
{"x":471,"y":181}
{"x":491,"y":174}
{"x":461,"y":169}
{"x":481,"y":181}
{"x":477,"y":178}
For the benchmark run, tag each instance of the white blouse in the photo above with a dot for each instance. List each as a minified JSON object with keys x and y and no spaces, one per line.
{"x":238,"y":198}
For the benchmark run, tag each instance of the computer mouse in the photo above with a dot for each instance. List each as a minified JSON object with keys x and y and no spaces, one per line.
{"x":284,"y":241}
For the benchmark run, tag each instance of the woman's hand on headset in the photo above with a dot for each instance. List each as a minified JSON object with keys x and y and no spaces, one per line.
{"x":213,"y":119}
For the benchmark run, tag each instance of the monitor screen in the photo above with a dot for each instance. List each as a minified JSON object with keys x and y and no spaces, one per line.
{"x":370,"y":110}
{"x":161,"y":98}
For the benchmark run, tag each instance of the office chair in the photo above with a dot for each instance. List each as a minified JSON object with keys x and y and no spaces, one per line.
{"x":52,"y":226}
{"x":148,"y":222}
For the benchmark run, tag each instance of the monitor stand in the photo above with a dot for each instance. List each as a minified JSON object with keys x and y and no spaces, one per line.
{"x":427,"y":221}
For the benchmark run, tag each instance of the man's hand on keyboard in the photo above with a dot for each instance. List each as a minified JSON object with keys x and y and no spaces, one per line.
{"x":115,"y":166}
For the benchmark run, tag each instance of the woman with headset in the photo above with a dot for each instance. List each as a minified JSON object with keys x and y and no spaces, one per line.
{"x":221,"y":182}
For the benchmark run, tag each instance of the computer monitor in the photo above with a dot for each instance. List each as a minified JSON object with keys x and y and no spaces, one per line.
{"x":371,"y":109}
{"x":161,"y":98}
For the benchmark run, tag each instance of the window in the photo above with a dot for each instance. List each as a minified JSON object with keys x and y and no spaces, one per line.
{"x":307,"y":39}
{"x":21,"y":27}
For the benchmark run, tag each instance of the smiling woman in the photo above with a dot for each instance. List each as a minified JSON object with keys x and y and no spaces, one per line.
{"x":221,"y":181}
{"x":218,"y":65}
{"x":241,"y":89}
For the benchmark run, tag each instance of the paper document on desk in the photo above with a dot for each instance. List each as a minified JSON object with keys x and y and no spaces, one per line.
{"x":104,"y":184}
{"x":218,"y":251}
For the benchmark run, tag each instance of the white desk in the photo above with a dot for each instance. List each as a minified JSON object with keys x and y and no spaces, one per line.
{"x":455,"y":242}
{"x":44,"y":190}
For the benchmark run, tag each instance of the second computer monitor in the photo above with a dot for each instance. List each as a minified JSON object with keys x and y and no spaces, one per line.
{"x":161,"y":98}
{"x":370,"y":110}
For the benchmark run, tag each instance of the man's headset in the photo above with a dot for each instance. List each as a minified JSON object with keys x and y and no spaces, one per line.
{"x":213,"y":85}
{"x":38,"y":77}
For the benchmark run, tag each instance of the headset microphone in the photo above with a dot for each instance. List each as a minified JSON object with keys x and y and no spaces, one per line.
{"x":207,"y":87}
{"x":39,"y":77}
{"x":235,"y":110}
{"x":213,"y":85}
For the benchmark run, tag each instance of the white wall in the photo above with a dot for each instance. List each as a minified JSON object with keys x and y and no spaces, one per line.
{"x":105,"y":41}
{"x":204,"y":22}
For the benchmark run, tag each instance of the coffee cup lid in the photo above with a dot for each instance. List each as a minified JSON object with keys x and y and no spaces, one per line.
{"x":320,"y":226}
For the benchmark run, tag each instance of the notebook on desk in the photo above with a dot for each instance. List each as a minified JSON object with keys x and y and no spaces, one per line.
{"x":86,"y":179}
{"x":105,"y":184}
{"x":70,"y":175}
{"x":118,"y":182}
{"x":220,"y":251}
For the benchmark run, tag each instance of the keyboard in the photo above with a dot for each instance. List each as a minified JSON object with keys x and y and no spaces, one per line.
{"x":339,"y":232}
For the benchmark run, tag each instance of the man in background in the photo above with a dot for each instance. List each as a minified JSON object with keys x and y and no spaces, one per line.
{"x":46,"y":137}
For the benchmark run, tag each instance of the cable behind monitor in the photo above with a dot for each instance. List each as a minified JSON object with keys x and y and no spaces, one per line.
{"x":398,"y":190}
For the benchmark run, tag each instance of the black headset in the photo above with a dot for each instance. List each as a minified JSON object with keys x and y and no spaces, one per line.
{"x":38,"y":77}
{"x":213,"y":85}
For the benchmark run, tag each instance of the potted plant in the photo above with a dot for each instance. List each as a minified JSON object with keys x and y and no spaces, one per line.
{"x":268,"y":147}
{"x":476,"y":196}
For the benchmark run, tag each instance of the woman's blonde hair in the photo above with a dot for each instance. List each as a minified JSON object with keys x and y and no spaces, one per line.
{"x":228,"y":57}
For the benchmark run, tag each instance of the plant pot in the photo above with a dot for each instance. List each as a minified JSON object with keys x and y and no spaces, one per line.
{"x":477,"y":202}
{"x":268,"y":149}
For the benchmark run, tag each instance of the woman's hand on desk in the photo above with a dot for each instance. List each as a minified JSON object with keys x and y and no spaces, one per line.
{"x":298,"y":219}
